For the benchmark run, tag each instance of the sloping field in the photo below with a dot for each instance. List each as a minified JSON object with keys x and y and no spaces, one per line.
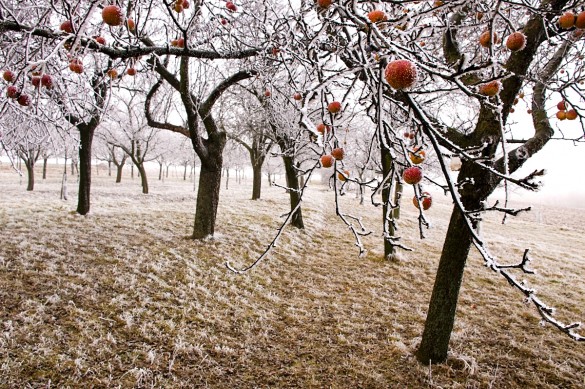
{"x":122,"y":297}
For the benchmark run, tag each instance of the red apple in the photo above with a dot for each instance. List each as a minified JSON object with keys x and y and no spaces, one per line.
{"x":178,"y":6}
{"x":485,"y":39}
{"x":343,"y":176}
{"x":425,"y":199}
{"x":76,"y":66}
{"x":23,"y":100}
{"x":334,"y":107}
{"x":47,"y":81}
{"x":562,"y":115}
{"x":12,"y":92}
{"x":412,"y":175}
{"x":267,"y":93}
{"x":297,"y":96}
{"x":8,"y":76}
{"x":112,"y":15}
{"x":131,"y":72}
{"x":130,"y":23}
{"x":327,"y":161}
{"x":67,"y":26}
{"x":35,"y":81}
{"x":401,"y":74}
{"x":100,"y":39}
{"x":186,"y":4}
{"x":376,"y":16}
{"x":231,"y":6}
{"x":561,"y":105}
{"x":567,"y":20}
{"x":417,"y":155}
{"x":516,"y":41}
{"x":580,"y":21}
{"x":571,"y":114}
{"x":112,"y":73}
{"x":491,"y":88}
{"x":338,"y":153}
{"x":322,"y":128}
{"x":324,"y":3}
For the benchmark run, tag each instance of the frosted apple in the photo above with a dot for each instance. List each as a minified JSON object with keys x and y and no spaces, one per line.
{"x":327,"y":161}
{"x":401,"y":74}
{"x":338,"y":153}
{"x":334,"y":107}
{"x":516,"y":41}
{"x":412,"y":175}
{"x":112,"y":15}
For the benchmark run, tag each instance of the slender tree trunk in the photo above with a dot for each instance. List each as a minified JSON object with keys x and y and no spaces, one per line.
{"x":109,"y":168}
{"x":83,"y":200}
{"x":119,"y":170}
{"x":132,"y":171}
{"x":207,"y":201}
{"x":256,"y":181}
{"x":441,"y":314}
{"x":167,"y":175}
{"x":160,"y":171}
{"x":185,"y":172}
{"x":45,"y":168}
{"x":294,"y":195}
{"x":386,"y":197}
{"x":227,"y":178}
{"x":30,"y":170}
{"x":64,"y":182}
{"x":143,"y":178}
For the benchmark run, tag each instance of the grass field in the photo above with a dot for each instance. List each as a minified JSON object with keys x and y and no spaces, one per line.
{"x":122,"y":297}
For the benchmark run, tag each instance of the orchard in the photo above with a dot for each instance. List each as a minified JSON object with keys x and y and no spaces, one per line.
{"x":425,"y":99}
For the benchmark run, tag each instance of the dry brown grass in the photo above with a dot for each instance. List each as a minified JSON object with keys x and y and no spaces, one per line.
{"x":121,"y":298}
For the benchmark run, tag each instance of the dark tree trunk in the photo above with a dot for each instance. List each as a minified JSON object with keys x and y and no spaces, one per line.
{"x":86,"y":138}
{"x":386,"y":197}
{"x":256,"y":181}
{"x":441,"y":314}
{"x":109,"y":168}
{"x":207,"y":201}
{"x":185,"y":172}
{"x":160,"y":171}
{"x":119,"y":169}
{"x":295,"y":197}
{"x":143,"y":178}
{"x":30,"y":170}
{"x":45,"y":168}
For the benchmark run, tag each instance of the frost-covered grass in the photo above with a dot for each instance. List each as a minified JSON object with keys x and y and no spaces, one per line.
{"x":122,"y":297}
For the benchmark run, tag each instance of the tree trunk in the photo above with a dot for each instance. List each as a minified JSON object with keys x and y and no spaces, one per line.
{"x":160,"y":171}
{"x":227,"y":178}
{"x":109,"y":168}
{"x":30,"y":170}
{"x":143,"y":178}
{"x":207,"y":201}
{"x":45,"y":168}
{"x":295,"y":197}
{"x":441,"y":314}
{"x":256,"y":181}
{"x":397,"y":199}
{"x":185,"y":172}
{"x":386,"y":197}
{"x":86,"y":138}
{"x":119,"y":169}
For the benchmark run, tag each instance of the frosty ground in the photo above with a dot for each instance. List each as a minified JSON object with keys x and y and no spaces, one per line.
{"x":123,"y":298}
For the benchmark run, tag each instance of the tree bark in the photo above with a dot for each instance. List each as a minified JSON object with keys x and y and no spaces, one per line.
{"x":143,"y":178}
{"x":207,"y":201}
{"x":86,"y":139}
{"x":30,"y":170}
{"x":441,"y":314}
{"x":45,"y":168}
{"x":294,"y":195}
{"x":256,"y":181}
{"x":386,"y":198}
